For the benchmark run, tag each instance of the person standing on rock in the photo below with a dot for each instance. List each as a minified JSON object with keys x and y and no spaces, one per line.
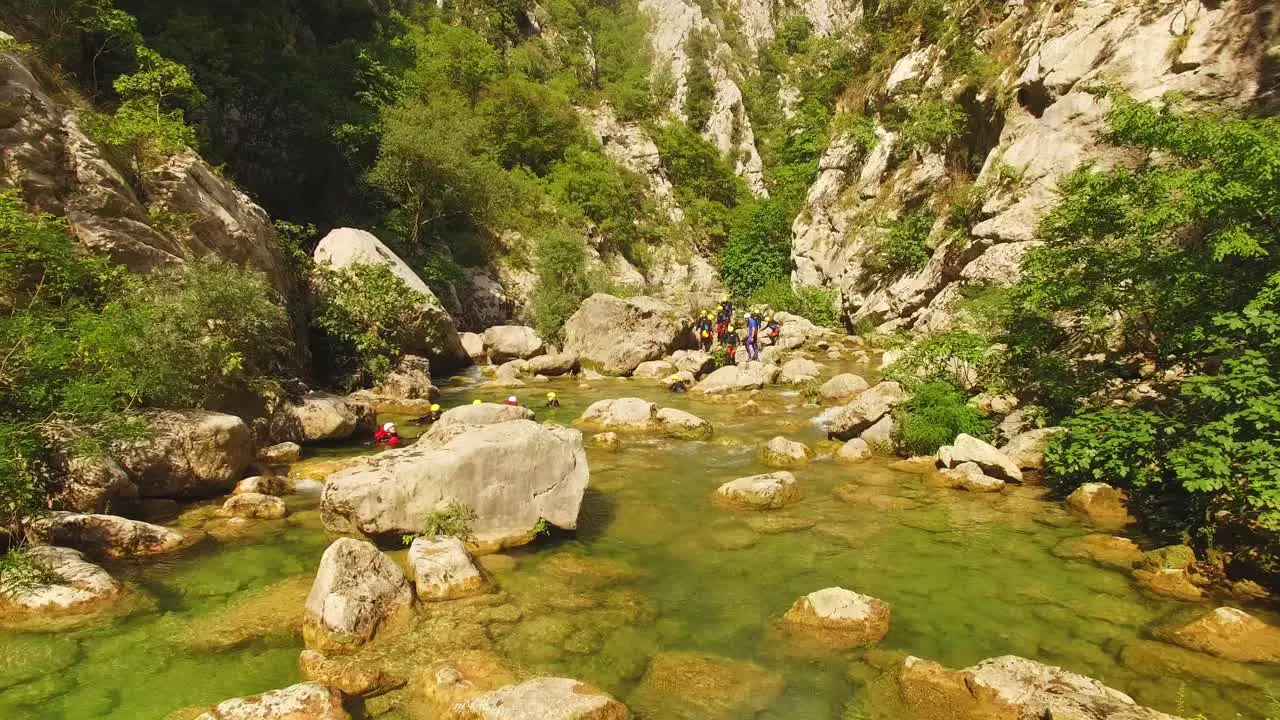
{"x":753,"y":337}
{"x":731,"y":344}
{"x":772,"y":328}
{"x":387,"y":435}
{"x":704,"y":328}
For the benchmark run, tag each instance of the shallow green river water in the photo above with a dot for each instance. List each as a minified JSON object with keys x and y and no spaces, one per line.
{"x":657,"y":568}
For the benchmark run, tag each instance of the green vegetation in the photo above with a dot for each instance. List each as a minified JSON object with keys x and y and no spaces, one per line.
{"x":561,"y":265}
{"x":1173,"y":263}
{"x":700,"y":90}
{"x":85,"y":343}
{"x":818,"y":305}
{"x":453,"y":520}
{"x":932,"y":125}
{"x":758,"y":252}
{"x":904,"y":247}
{"x":963,"y":359}
{"x":936,"y":413}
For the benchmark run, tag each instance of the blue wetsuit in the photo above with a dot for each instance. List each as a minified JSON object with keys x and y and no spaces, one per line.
{"x":753,"y":338}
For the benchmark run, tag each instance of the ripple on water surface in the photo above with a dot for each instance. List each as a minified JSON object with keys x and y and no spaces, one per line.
{"x":663,"y":598}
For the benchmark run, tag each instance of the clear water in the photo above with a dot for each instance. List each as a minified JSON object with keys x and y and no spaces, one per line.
{"x":655,"y":568}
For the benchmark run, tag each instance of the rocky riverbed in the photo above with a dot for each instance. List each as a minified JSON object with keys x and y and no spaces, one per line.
{"x":671,"y":598}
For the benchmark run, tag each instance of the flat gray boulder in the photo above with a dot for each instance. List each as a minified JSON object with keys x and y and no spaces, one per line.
{"x":509,"y":342}
{"x":253,"y":506}
{"x":653,"y":369}
{"x":760,"y":492}
{"x":781,"y":452}
{"x":511,"y":474}
{"x":848,"y":421}
{"x":553,"y":365}
{"x":969,"y":476}
{"x":320,"y":416}
{"x":694,"y":362}
{"x":543,"y":698}
{"x":106,"y":536}
{"x":457,"y":419}
{"x":356,"y":591}
{"x":843,"y":387}
{"x":683,"y":425}
{"x":799,"y":370}
{"x":628,"y":414}
{"x":751,"y":375}
{"x":613,"y":335}
{"x":442,"y":569}
{"x":969,"y":449}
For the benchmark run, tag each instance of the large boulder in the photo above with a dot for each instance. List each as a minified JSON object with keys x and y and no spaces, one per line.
{"x":613,"y":335}
{"x":512,"y":475}
{"x":781,"y":452}
{"x":841,"y":617}
{"x":630,"y":414}
{"x":799,"y":370}
{"x":304,"y":701}
{"x":969,"y":449}
{"x":1012,"y":688}
{"x":969,"y":476}
{"x":1102,"y":504}
{"x":1026,"y":450}
{"x":750,"y":375}
{"x":760,"y":492}
{"x":319,"y":416}
{"x":89,"y":484}
{"x":345,"y":247}
{"x":694,"y":362}
{"x":462,"y":417}
{"x":843,"y":387}
{"x":352,"y":676}
{"x":1228,"y":633}
{"x":253,"y":506}
{"x":189,"y":454}
{"x":105,"y":536}
{"x":553,"y":365}
{"x":653,"y":369}
{"x":542,"y":698}
{"x":853,"y":452}
{"x":472,"y":345}
{"x":848,"y":421}
{"x":74,"y":586}
{"x":411,"y":380}
{"x":508,"y":342}
{"x":682,"y":425}
{"x":281,"y":453}
{"x":442,"y":570}
{"x":357,"y":591}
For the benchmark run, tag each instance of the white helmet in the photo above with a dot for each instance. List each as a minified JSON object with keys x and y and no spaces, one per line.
{"x":512,"y":398}
{"x":389,"y":426}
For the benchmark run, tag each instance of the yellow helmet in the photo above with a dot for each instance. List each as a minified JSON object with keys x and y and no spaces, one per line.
{"x":710,"y":316}
{"x":724,"y":298}
{"x":551,"y":396}
{"x":770,"y":319}
{"x":434,"y":407}
{"x":729,"y":330}
{"x":477,"y":401}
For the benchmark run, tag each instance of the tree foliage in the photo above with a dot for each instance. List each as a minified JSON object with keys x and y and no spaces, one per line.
{"x":934,"y":415}
{"x":563,"y":282}
{"x":758,"y":252}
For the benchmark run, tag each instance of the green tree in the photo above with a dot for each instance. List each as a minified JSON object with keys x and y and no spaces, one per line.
{"x":759,"y":248}
{"x":528,"y":124}
{"x":700,"y":89}
{"x":561,"y":265}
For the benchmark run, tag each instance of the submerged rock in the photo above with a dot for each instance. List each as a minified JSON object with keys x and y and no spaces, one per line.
{"x":691,"y":686}
{"x":969,"y":449}
{"x":682,"y":425}
{"x":357,"y":591}
{"x":853,"y":452}
{"x":351,"y":676}
{"x":606,"y":441}
{"x":442,"y":570}
{"x":614,"y":335}
{"x":304,"y":701}
{"x":843,"y":617}
{"x":254,"y":506}
{"x":1228,"y":633}
{"x":106,"y":536}
{"x":1170,"y":582}
{"x":843,"y":387}
{"x":1148,"y":657}
{"x":1102,"y":504}
{"x":760,"y":492}
{"x":542,"y":698}
{"x":511,"y":474}
{"x":781,"y":452}
{"x":1101,"y":548}
{"x":1169,"y":557}
{"x":189,"y":454}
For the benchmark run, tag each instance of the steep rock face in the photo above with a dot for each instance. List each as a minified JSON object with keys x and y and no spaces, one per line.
{"x":632,"y":148}
{"x":58,"y":168}
{"x":1052,"y":126}
{"x":729,"y":128}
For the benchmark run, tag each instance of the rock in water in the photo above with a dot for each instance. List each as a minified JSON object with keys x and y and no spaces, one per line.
{"x":843,"y":386}
{"x":969,"y":449}
{"x":482,"y":414}
{"x":1228,"y":633}
{"x":442,"y":570}
{"x":614,"y":335}
{"x":75,"y":587}
{"x":853,"y":452}
{"x":848,"y":421}
{"x":351,"y":676}
{"x":781,"y":452}
{"x":509,"y":342}
{"x":357,"y":591}
{"x":1101,"y":548}
{"x":968,"y":476}
{"x":750,"y":375}
{"x":760,"y":492}
{"x":682,"y":425}
{"x":281,"y":453}
{"x":190,"y":454}
{"x":553,"y":365}
{"x":694,"y":362}
{"x":320,"y":416}
{"x":263,"y":484}
{"x":692,"y":686}
{"x":90,"y":484}
{"x":106,"y":536}
{"x":842,"y":617}
{"x":1103,"y":504}
{"x":628,"y":414}
{"x":512,"y":475}
{"x":1012,"y":688}
{"x":304,"y":701}
{"x":799,"y":370}
{"x":252,"y":505}
{"x":472,"y":345}
{"x":653,"y":369}
{"x":345,"y":247}
{"x":543,"y":698}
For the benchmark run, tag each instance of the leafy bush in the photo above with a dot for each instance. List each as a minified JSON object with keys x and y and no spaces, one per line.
{"x":759,"y":248}
{"x":528,"y":124}
{"x":933,"y":125}
{"x":147,"y":121}
{"x":561,"y":265}
{"x":700,"y":89}
{"x":936,"y":413}
{"x":819,"y":305}
{"x":962,"y":359}
{"x":1118,"y":446}
{"x":905,"y":247}
{"x":606,"y":194}
{"x":368,"y":317}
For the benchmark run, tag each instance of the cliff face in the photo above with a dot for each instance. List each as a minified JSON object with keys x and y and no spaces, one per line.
{"x":144,"y":219}
{"x":1205,"y":52}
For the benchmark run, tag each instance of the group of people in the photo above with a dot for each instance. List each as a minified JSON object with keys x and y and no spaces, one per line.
{"x":717,"y":327}
{"x":389,"y":434}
